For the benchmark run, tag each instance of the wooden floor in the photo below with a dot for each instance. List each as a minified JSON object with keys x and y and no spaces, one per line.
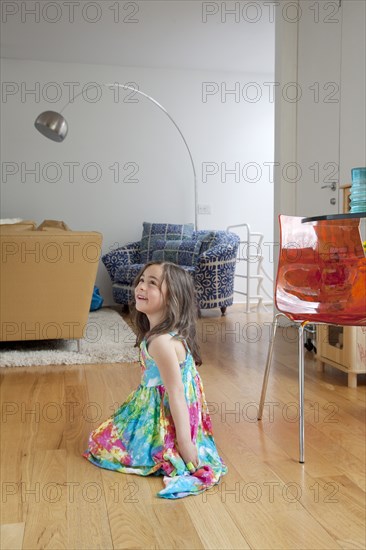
{"x":53,"y":498}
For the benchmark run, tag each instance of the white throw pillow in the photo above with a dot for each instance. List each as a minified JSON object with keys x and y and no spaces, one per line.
{"x":10,"y":220}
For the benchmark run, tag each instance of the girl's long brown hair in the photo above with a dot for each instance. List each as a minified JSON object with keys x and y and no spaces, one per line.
{"x":181,"y":308}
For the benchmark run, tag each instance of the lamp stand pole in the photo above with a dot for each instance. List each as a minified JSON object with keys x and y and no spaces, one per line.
{"x":126,"y":87}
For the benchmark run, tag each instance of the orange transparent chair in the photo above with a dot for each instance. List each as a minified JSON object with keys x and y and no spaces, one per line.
{"x":321,"y":278}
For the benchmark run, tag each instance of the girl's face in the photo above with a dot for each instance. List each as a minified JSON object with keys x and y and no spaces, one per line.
{"x":151,"y":293}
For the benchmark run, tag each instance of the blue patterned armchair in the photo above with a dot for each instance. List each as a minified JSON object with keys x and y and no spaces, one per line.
{"x":210,"y":256}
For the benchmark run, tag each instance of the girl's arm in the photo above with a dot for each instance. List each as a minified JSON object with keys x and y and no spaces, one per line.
{"x":162,"y":349}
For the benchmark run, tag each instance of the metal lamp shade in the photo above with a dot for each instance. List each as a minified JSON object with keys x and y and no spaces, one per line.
{"x":52,"y":125}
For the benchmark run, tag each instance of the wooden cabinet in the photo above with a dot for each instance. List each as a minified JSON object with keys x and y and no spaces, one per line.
{"x":346,"y":197}
{"x":343,"y":348}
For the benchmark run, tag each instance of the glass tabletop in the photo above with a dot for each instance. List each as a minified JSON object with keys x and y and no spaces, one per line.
{"x":344,"y":216}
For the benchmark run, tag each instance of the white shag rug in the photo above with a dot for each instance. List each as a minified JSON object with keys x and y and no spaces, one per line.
{"x":108,"y":339}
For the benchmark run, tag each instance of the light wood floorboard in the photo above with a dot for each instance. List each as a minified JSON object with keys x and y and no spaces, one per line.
{"x":53,"y":498}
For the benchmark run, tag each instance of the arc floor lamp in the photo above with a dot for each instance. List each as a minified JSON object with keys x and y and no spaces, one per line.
{"x":53,"y":125}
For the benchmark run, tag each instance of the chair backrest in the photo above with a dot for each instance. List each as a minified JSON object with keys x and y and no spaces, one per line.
{"x":321,"y":271}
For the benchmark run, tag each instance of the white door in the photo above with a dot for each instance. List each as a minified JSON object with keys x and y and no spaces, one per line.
{"x":318,"y":108}
{"x":353,"y":79}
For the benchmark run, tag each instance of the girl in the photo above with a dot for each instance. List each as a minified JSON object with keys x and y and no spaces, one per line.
{"x":164,"y":426}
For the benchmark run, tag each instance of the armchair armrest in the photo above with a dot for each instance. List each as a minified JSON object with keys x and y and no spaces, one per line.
{"x":221,"y":253}
{"x":124,"y":255}
{"x":214,"y":275}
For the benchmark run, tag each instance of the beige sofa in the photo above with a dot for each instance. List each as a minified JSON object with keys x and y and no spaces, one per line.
{"x":47,"y":279}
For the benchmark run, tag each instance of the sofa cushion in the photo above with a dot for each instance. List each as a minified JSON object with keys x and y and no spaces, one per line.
{"x":52,"y":225}
{"x":153,"y":232}
{"x":125,"y":274}
{"x":179,"y":252}
{"x":16,"y":227}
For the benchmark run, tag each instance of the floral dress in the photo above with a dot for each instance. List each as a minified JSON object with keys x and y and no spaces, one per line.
{"x":139,"y":438}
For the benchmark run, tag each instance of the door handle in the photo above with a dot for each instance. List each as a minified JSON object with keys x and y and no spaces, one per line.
{"x":333,"y":186}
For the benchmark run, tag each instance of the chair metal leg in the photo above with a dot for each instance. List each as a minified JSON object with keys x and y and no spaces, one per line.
{"x":301,"y":392}
{"x":301,"y":382}
{"x":268,"y":365}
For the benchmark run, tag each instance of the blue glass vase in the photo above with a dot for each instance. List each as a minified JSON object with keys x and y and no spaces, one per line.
{"x":358,"y":190}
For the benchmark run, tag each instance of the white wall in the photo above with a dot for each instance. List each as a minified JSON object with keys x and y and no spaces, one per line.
{"x":224,"y":131}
